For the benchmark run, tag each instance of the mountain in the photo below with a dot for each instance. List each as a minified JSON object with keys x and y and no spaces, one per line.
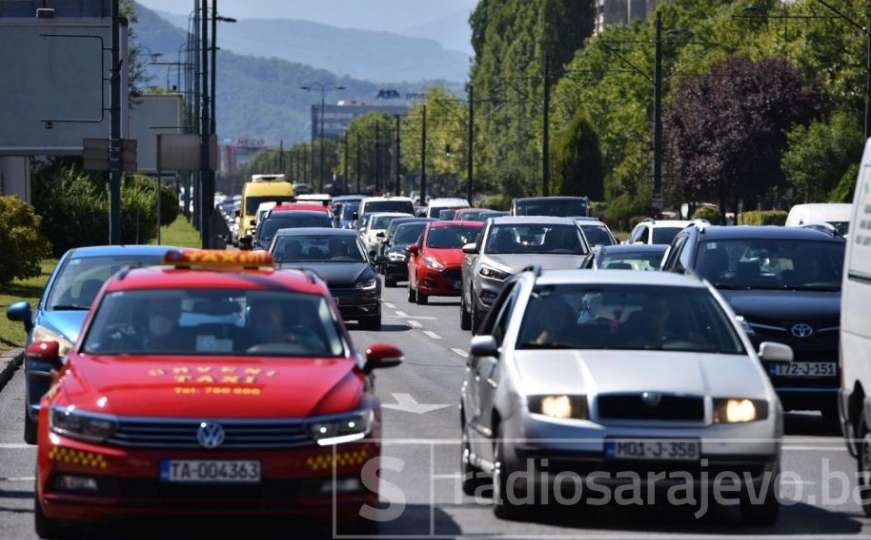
{"x":257,"y":97}
{"x":364,"y":54}
{"x":452,"y":31}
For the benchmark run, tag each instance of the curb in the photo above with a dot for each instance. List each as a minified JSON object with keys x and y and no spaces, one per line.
{"x":10,"y":361}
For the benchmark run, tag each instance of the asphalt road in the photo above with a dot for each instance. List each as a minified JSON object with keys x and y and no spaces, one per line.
{"x":421,"y":434}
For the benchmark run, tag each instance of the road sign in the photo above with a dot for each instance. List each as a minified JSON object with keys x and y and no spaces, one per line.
{"x":128,"y":155}
{"x":96,"y":155}
{"x":181,"y":152}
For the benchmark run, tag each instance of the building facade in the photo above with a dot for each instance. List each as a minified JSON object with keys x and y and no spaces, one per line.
{"x":611,"y":12}
{"x":338,"y":117}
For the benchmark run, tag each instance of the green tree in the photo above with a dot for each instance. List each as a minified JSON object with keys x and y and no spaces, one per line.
{"x":578,"y":160}
{"x":22,"y":244}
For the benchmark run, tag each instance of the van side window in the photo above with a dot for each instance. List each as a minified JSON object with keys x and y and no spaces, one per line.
{"x":643,"y":234}
{"x":684,"y":261}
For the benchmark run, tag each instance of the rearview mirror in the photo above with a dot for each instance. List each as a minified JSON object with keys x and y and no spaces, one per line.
{"x":775,"y":352}
{"x":470,"y":249}
{"x":47,"y":351}
{"x":20,"y":312}
{"x":381,"y":355}
{"x":483,"y":346}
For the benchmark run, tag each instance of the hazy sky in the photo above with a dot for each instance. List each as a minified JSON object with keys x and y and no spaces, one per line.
{"x":388,"y":15}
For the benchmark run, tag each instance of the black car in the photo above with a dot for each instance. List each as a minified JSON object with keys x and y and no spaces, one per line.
{"x":394,"y":266}
{"x":786,"y":284}
{"x":337,"y":256}
{"x":630,"y":257}
{"x":288,"y":220}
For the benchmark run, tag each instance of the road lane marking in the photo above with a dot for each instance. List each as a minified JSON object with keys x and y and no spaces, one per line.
{"x":15,"y":446}
{"x":407,"y":403}
{"x":18,"y":479}
{"x":451,"y":476}
{"x":402,"y":314}
{"x":389,"y":305}
{"x":815,"y":448}
{"x":414,"y":323}
{"x":432,"y":334}
{"x":461,"y":352}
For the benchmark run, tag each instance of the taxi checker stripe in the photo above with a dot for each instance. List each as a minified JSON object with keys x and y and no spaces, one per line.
{"x":342,"y":459}
{"x":77,"y":457}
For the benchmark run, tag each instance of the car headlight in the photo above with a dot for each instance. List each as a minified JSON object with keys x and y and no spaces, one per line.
{"x":738,"y":410}
{"x":343,"y":430}
{"x":561,"y":407}
{"x":41,"y":333}
{"x":434,"y":263}
{"x":368,"y":284}
{"x":75,"y":424}
{"x":492,"y":273}
{"x":397,"y":256}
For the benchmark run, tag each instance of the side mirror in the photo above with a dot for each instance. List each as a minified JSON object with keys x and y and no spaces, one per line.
{"x":381,"y":356}
{"x":483,"y":346}
{"x":20,"y":312}
{"x":246,"y":242}
{"x":413,"y":249}
{"x":355,"y":216}
{"x":470,"y":249}
{"x":47,"y":351}
{"x":381,"y":235}
{"x":237,"y":213}
{"x":775,"y":352}
{"x":253,"y":222}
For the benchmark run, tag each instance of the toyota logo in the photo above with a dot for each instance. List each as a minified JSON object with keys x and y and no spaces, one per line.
{"x":651,"y":399}
{"x":210,"y":435}
{"x":802,"y":330}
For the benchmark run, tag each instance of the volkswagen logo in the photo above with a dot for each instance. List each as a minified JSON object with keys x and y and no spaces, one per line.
{"x":210,"y":435}
{"x":801,"y":330}
{"x":651,"y":399}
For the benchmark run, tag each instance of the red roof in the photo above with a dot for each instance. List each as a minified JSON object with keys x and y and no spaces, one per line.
{"x":466,"y":224}
{"x":301,"y":207}
{"x":168,"y":277}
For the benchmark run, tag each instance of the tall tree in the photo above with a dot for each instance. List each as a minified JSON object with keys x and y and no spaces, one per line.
{"x":578,"y":160}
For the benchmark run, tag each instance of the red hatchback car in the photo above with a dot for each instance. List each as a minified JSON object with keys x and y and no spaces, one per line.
{"x":214,"y":386}
{"x":435,"y":262}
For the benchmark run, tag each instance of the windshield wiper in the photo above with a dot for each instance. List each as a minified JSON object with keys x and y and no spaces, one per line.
{"x":548,"y":346}
{"x":61,"y":307}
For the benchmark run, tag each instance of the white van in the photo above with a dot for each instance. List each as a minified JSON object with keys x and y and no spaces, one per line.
{"x":402,"y":205}
{"x":855,"y":332}
{"x":437,"y":205}
{"x":835,"y":214}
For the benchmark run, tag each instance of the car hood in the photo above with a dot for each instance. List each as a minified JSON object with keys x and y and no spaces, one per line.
{"x":225,"y":387}
{"x":66,"y":323}
{"x":335,"y":274}
{"x":782,"y":307}
{"x":448,"y":257}
{"x":608,"y":371}
{"x":515,"y":263}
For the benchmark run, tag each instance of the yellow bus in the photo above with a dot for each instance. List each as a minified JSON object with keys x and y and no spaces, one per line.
{"x":262,"y":188}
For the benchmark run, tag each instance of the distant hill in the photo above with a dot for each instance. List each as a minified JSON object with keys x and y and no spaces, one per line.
{"x":257,"y":97}
{"x":365,"y":54}
{"x":452,"y":31}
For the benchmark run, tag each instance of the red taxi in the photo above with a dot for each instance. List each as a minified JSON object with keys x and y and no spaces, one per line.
{"x":302,"y":207}
{"x":435,"y":262}
{"x":211,"y":385}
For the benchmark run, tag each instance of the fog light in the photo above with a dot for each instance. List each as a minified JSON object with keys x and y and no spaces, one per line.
{"x":68,"y":482}
{"x":342,"y":485}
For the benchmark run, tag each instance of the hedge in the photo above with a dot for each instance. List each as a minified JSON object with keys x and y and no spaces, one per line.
{"x":21,"y":243}
{"x":709,"y":213}
{"x":763,"y":217}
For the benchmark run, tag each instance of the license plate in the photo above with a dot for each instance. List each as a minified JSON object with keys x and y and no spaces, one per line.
{"x":804,"y":369}
{"x":653,"y":449}
{"x":458,"y":285}
{"x":210,"y":471}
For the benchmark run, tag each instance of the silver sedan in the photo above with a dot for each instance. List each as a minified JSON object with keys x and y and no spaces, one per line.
{"x":583,"y":385}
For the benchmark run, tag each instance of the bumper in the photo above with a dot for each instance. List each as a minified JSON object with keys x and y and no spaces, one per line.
{"x":294,"y":482}
{"x":447,"y":282}
{"x":395,"y":269}
{"x":485,"y":291}
{"x":814,"y":399}
{"x":356,"y":303}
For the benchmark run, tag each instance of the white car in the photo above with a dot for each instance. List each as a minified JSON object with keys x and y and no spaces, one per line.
{"x":370,"y":205}
{"x":596,"y":232}
{"x":263,"y":210}
{"x":607,"y":377}
{"x":435,"y":206}
{"x":835,"y":214}
{"x":651,"y":231}
{"x":376,"y":228}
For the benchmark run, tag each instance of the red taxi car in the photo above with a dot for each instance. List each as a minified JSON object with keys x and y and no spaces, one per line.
{"x":302,"y":207}
{"x":211,"y":385}
{"x":435,"y":262}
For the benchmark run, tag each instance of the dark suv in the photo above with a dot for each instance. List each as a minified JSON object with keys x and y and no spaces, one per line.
{"x":786,"y":284}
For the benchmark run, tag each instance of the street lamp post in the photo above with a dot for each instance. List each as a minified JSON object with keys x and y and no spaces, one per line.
{"x":324,"y":88}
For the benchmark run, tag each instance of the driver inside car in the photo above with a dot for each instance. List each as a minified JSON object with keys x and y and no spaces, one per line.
{"x":271,"y":323}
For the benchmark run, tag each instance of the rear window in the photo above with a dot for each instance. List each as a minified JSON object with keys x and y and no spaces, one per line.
{"x":404,"y":207}
{"x":664,"y":235}
{"x":597,"y":235}
{"x":451,"y":237}
{"x":542,"y":239}
{"x":552,"y":207}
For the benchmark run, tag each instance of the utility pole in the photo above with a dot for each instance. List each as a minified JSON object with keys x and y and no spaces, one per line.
{"x":115,"y":147}
{"x":207,"y":181}
{"x":470,"y":152}
{"x":214,"y":72}
{"x":868,"y":75}
{"x":423,"y":157}
{"x":323,"y":166}
{"x":545,"y":150}
{"x":398,"y":186}
{"x":657,"y":118}
{"x":377,"y":159}
{"x":346,"y":184}
{"x":357,"y":141}
{"x":281,"y":157}
{"x":198,"y":110}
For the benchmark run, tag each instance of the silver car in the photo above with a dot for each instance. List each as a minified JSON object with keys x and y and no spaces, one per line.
{"x":606,"y":378}
{"x":506,"y":246}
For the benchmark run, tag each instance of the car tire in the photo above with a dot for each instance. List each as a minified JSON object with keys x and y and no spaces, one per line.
{"x":31,"y":429}
{"x":475,"y":319}
{"x":502,"y":505}
{"x":422,"y":299}
{"x":465,"y":318}
{"x":412,"y":295}
{"x":46,"y":527}
{"x":471,"y":476}
{"x":864,"y":467}
{"x":389,"y":282}
{"x":830,"y":414}
{"x":371,"y":323}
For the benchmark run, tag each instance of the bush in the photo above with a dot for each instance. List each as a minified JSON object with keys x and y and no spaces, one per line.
{"x":21,"y":242}
{"x":494,"y":202}
{"x":710,"y":213}
{"x":763,"y":217}
{"x":625,"y":211}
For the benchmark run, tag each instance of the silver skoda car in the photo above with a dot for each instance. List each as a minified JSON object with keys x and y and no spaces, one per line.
{"x":611,"y":377}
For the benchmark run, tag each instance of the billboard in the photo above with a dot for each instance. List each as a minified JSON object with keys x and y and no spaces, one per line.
{"x":152,"y":115}
{"x":55,"y":90}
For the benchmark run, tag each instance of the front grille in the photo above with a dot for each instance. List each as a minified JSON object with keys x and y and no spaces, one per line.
{"x":237,"y":434}
{"x":633,"y":407}
{"x":453,"y":275}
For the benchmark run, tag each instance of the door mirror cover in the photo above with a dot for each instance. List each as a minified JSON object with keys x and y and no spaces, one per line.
{"x":775,"y":352}
{"x":484,"y":346}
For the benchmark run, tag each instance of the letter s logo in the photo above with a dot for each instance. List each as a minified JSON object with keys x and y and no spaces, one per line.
{"x":390,"y":493}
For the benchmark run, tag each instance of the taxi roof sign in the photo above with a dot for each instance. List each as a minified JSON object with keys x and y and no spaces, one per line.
{"x":216,"y":259}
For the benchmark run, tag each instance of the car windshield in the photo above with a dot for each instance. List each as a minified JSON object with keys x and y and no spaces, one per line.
{"x":772,"y":264}
{"x":472,"y":215}
{"x":447,"y":214}
{"x":552,"y":207}
{"x":317,"y":248}
{"x":214,"y":322}
{"x":253,"y":203}
{"x":275,"y":223}
{"x":348,"y":210}
{"x":81,"y":279}
{"x":639,"y":261}
{"x":627,"y":317}
{"x":408,"y":234}
{"x":544,"y":239}
{"x":389,"y":206}
{"x":664,"y":235}
{"x":451,"y":237}
{"x":597,"y":235}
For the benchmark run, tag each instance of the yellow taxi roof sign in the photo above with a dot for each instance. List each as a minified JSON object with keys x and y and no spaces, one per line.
{"x":216,"y":259}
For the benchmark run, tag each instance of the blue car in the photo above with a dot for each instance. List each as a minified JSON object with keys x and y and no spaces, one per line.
{"x":61,"y":311}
